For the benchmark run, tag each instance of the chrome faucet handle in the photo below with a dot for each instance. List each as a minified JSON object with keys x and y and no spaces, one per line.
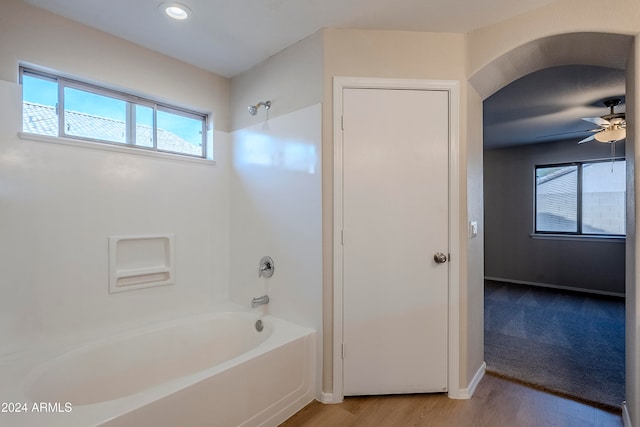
{"x":266,"y":267}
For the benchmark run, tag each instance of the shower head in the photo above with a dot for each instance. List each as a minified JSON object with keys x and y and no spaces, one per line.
{"x":253,"y":109}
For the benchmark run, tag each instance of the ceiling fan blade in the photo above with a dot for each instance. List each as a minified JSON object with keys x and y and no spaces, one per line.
{"x":568,"y":133}
{"x":587,"y":139}
{"x":597,"y":120}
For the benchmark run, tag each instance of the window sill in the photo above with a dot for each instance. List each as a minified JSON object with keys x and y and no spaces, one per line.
{"x":578,"y":237}
{"x":117,"y":148}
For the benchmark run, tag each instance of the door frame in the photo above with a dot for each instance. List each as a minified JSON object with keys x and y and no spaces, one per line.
{"x":453,"y":89}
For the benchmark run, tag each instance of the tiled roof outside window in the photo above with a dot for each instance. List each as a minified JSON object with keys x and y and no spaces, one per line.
{"x":43,"y":120}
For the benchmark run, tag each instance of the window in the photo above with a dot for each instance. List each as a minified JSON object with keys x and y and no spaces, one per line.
{"x":586,"y":198}
{"x":60,"y":107}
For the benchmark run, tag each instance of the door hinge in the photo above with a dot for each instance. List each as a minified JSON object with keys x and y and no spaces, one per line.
{"x":342,"y":237}
{"x":342,"y":122}
{"x":342,"y":350}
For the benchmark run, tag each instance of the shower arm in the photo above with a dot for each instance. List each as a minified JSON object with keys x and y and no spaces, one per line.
{"x":253,"y":109}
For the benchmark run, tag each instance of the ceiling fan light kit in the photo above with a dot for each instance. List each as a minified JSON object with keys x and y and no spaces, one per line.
{"x":615,"y":133}
{"x":612,"y":126}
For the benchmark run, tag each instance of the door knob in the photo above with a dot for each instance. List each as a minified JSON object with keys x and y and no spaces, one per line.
{"x":440,"y":258}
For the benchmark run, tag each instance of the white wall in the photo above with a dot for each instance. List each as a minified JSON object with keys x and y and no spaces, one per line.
{"x":632,"y":306}
{"x":59,"y":204}
{"x":511,"y":254}
{"x":35,"y":36}
{"x":472,"y":296}
{"x":487,"y":45}
{"x":290,"y":79}
{"x":412,"y":55}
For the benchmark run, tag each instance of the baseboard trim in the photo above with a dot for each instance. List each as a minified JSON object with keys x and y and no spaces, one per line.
{"x":463,"y":393}
{"x":626,"y":418}
{"x":467,"y":393}
{"x":548,"y":285}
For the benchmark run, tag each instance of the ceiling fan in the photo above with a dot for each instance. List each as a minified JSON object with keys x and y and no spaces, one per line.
{"x":612,"y":126}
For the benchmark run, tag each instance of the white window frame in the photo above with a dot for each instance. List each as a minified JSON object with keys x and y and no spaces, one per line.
{"x":131,"y":100}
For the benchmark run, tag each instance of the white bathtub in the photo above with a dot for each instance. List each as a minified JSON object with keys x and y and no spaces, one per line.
{"x":212,"y":369}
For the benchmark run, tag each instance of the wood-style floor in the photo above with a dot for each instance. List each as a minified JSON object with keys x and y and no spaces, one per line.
{"x":497,"y":402}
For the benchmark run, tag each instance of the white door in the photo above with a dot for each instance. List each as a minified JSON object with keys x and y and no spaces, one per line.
{"x":395,"y":218}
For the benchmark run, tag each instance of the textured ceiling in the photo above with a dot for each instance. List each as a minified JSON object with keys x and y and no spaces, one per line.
{"x":549,"y":105}
{"x":231,"y":36}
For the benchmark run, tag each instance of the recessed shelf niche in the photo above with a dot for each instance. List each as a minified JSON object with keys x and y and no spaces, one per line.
{"x":137,"y":262}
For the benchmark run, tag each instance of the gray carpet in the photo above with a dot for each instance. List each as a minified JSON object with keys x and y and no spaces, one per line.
{"x":564,"y":342}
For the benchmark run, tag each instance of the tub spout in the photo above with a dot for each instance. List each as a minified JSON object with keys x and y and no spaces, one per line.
{"x":264,"y":299}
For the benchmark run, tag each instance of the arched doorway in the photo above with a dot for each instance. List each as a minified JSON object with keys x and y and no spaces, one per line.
{"x":601,"y":49}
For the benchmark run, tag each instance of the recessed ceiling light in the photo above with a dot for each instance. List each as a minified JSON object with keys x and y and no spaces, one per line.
{"x":176,"y":11}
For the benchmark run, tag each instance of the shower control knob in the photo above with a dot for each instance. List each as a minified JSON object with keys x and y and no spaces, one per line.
{"x":266,"y":267}
{"x":440,"y":258}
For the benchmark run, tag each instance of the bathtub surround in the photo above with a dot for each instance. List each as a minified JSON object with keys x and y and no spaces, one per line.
{"x":276,"y":210}
{"x":61,"y":203}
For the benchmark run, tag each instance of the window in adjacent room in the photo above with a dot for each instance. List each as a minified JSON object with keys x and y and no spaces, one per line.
{"x":583,"y":198}
{"x":61,"y":107}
